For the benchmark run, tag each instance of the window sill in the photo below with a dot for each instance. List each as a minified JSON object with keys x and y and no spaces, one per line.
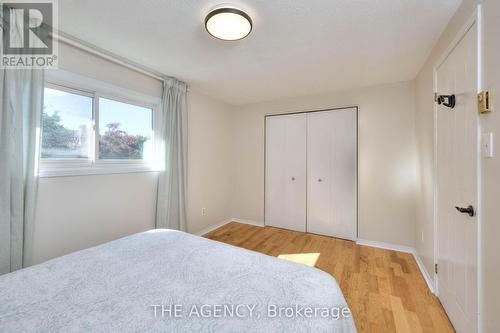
{"x":89,"y":171}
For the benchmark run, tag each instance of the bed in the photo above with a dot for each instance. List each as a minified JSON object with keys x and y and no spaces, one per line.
{"x":171,"y":281}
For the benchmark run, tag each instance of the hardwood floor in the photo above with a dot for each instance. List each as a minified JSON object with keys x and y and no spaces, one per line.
{"x":384,"y":289}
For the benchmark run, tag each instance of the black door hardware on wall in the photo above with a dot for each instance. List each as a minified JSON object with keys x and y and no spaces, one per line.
{"x":447,"y":100}
{"x":469,"y":210}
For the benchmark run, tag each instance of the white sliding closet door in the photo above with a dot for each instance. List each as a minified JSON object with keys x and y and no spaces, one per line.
{"x":331,"y":169}
{"x":285,"y":205}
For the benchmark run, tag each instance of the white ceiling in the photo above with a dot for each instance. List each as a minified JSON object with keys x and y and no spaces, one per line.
{"x":297,"y":47}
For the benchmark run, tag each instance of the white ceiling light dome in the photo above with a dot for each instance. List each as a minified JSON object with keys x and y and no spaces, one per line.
{"x":227,"y":22}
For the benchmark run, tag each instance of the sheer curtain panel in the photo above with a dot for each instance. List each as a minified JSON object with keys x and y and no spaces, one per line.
{"x":172,"y":134}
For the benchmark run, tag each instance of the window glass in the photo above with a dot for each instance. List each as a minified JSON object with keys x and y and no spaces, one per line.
{"x":125,"y":131}
{"x":66,"y":125}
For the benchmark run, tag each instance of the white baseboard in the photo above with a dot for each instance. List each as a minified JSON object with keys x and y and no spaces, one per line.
{"x":226,"y":221}
{"x":425,"y":273}
{"x":406,"y":249}
{"x":250,"y":222}
{"x":213,"y":227}
{"x":386,"y":246}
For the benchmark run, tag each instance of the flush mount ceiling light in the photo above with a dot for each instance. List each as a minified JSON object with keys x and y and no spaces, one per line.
{"x":228,"y":23}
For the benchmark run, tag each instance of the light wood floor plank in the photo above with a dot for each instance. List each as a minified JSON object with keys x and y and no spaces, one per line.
{"x":384,"y":289}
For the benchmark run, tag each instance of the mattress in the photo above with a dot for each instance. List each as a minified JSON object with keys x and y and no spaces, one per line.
{"x":171,"y":281}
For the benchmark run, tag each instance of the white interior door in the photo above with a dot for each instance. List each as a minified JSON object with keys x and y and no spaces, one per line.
{"x":332,"y":171}
{"x":457,"y":156}
{"x":285,"y":202}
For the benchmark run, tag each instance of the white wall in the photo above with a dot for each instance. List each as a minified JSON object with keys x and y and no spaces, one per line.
{"x":74,"y":213}
{"x":209,"y":162}
{"x":489,"y":267}
{"x":86,"y":64}
{"x":490,"y":172}
{"x":387,"y":157}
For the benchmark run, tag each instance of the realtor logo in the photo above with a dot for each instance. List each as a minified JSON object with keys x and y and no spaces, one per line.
{"x":27,"y":28}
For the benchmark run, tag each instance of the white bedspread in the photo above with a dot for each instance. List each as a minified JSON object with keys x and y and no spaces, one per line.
{"x":118,"y":287}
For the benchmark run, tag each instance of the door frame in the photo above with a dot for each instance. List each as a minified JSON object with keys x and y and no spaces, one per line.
{"x":474,"y":20}
{"x":356,"y":107}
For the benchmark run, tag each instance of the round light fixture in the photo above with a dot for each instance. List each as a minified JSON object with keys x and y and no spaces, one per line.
{"x":228,"y":23}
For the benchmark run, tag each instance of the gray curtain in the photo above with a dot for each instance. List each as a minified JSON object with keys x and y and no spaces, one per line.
{"x":172,"y":134}
{"x":21,"y":99}
{"x":21,"y":103}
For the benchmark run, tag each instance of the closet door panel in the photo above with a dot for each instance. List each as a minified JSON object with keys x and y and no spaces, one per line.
{"x":285,"y":202}
{"x":331,"y":164}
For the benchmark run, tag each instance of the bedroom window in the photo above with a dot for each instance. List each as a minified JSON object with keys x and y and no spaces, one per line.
{"x":66,"y":125}
{"x":125,"y":131}
{"x":84,"y":132}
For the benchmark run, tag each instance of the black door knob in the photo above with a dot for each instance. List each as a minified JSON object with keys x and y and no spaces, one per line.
{"x":469,"y":210}
{"x":447,"y":100}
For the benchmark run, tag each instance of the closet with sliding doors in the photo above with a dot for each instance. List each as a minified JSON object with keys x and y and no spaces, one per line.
{"x":311,"y":172}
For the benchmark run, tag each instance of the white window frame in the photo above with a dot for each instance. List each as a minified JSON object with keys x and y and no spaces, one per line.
{"x":76,"y":84}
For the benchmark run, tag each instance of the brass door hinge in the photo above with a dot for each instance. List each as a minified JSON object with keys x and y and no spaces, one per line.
{"x":484,"y":102}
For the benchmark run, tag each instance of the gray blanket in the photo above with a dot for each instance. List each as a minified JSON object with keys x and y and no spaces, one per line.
{"x":170,"y":281}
